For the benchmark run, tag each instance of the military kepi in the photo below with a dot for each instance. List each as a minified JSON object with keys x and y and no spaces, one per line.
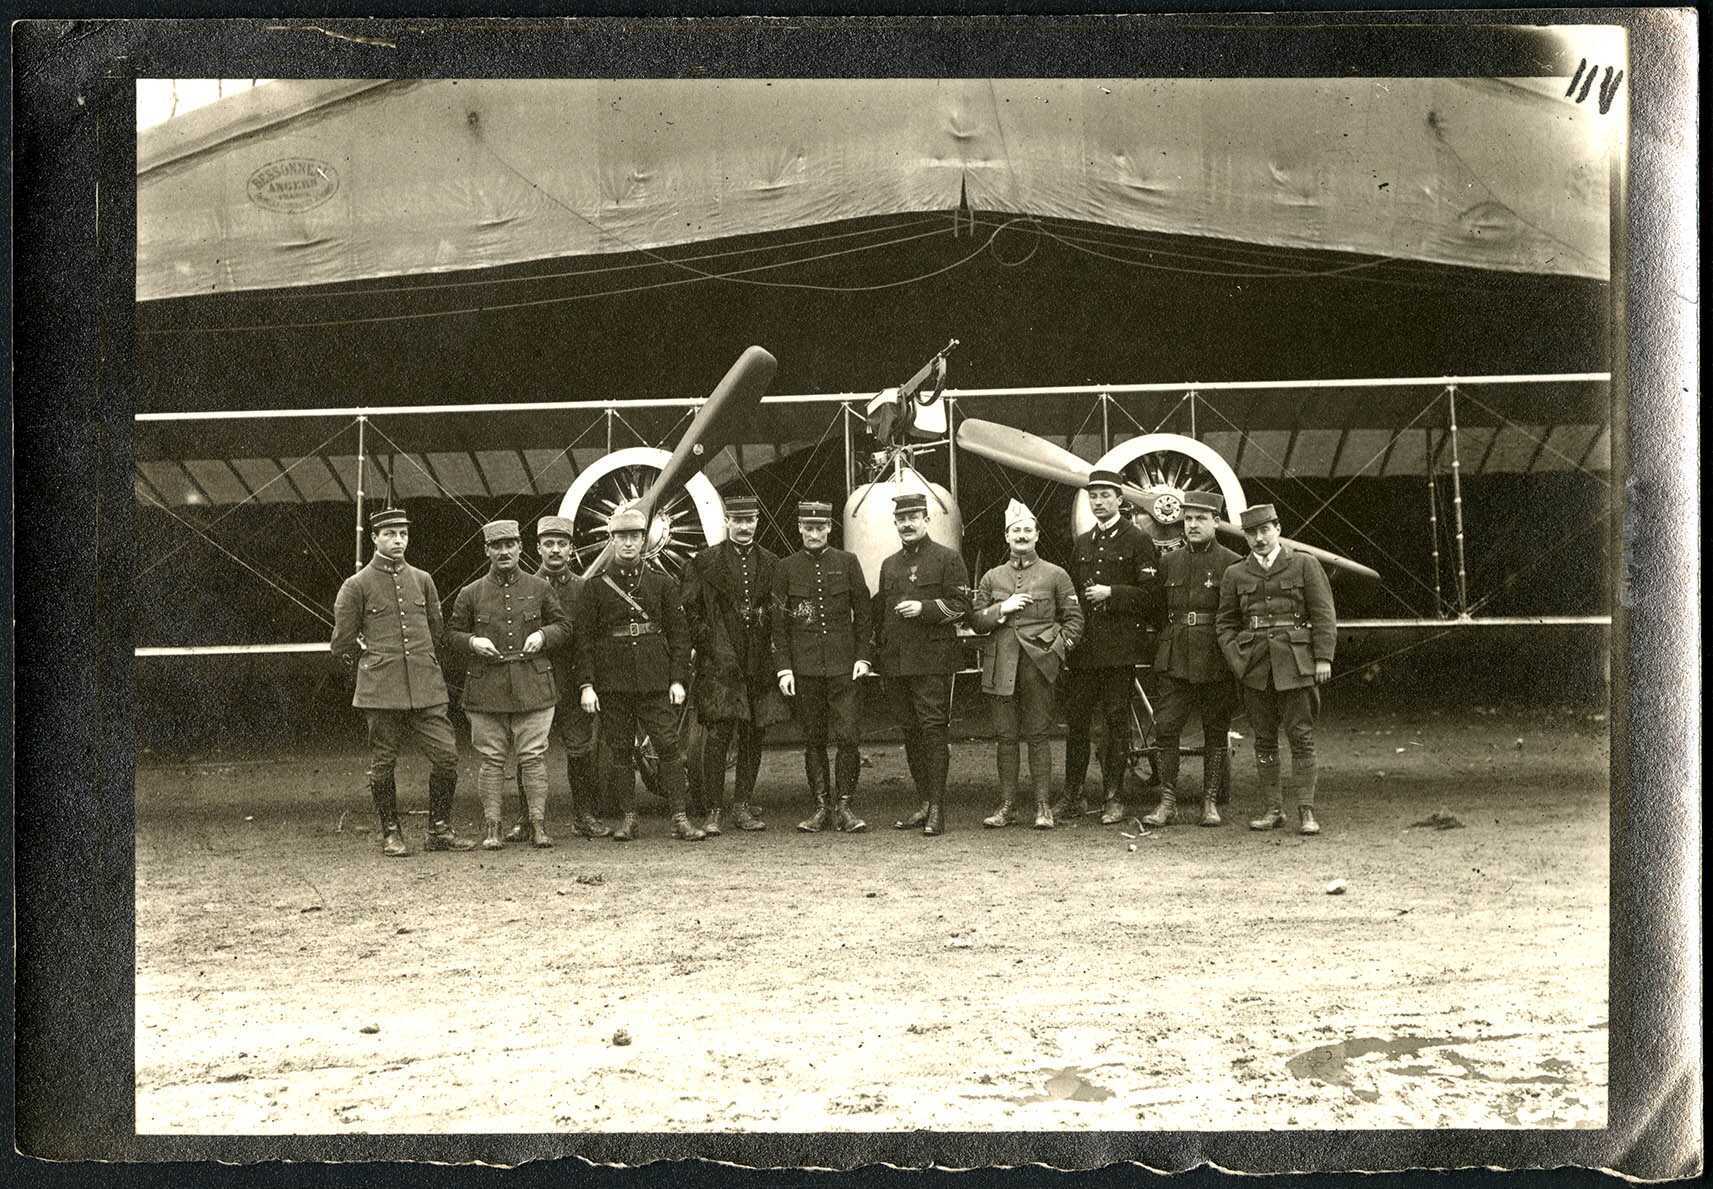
{"x":1202,"y":501}
{"x":554,"y":524}
{"x":742,"y":505}
{"x":388,"y":518}
{"x":628,"y":519}
{"x":500,"y":530}
{"x":815,"y":511}
{"x":1102,"y":478}
{"x":1258,"y":515}
{"x":910,"y":501}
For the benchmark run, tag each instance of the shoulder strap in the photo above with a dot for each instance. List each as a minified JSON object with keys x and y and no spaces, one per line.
{"x":620,"y":591}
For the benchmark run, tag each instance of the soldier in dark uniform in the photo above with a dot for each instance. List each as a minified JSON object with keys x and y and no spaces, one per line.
{"x":507,"y":620}
{"x":633,"y":655}
{"x":726,"y":589}
{"x":386,"y":623}
{"x":1191,"y":670}
{"x":1278,"y":629}
{"x":576,"y":730}
{"x":820,"y":614}
{"x":1113,"y":566}
{"x":924,"y":592}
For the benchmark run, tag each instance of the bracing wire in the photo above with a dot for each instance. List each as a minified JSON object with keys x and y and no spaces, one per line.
{"x":476,"y":516}
{"x":285,"y":590}
{"x":1575,"y":464}
{"x":1558,"y":546}
{"x":1357,"y":473}
{"x":1378,"y":548}
{"x":313,"y":452}
{"x":458,"y":501}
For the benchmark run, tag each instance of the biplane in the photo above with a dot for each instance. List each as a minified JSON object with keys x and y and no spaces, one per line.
{"x":522,"y":307}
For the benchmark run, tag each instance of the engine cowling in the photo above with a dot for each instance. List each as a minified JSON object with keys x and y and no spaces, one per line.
{"x":1165,"y":465}
{"x":689,"y":521}
{"x":868,"y":520}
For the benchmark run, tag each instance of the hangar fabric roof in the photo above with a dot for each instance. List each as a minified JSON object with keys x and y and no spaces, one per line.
{"x":315,"y":182}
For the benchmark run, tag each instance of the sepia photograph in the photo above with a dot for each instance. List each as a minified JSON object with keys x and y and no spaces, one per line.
{"x":820,"y":371}
{"x":728,"y":604}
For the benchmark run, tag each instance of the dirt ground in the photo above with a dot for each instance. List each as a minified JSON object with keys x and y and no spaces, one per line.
{"x":290,"y":979}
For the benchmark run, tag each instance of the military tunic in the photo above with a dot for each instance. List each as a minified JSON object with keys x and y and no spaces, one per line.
{"x":1188,"y":647}
{"x":630,"y":656}
{"x":395,"y":611}
{"x":1274,"y":623}
{"x":576,"y":728}
{"x":1115,"y":640}
{"x":387,"y":621}
{"x":1117,"y":632}
{"x":1045,"y":631}
{"x":919,"y":656}
{"x":820,"y":613}
{"x":821,"y":629}
{"x":1191,"y":671}
{"x":1024,"y":652}
{"x":727,"y":592}
{"x":507,"y":613}
{"x":619,"y":648}
{"x":935,"y":576}
{"x":726,"y":601}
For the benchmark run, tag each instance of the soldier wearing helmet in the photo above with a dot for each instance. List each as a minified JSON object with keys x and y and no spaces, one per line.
{"x":632,"y":649}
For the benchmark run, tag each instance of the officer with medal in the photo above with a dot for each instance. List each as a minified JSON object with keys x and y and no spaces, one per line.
{"x":1113,"y":566}
{"x":632,"y":650}
{"x":821,"y":640}
{"x":506,"y":621}
{"x":726,"y":588}
{"x":924,"y":592}
{"x":1032,"y":618}
{"x":1278,"y":629}
{"x":387,"y":625}
{"x":576,"y":730}
{"x":1188,"y":665}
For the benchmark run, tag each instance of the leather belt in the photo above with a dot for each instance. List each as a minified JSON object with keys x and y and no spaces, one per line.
{"x":1257,"y":622}
{"x":1192,"y":618}
{"x":634,"y":629}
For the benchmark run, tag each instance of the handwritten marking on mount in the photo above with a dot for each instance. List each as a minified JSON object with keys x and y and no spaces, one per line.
{"x":1608,"y":86}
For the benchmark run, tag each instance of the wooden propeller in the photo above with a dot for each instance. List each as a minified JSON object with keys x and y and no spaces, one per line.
{"x":720,"y":421}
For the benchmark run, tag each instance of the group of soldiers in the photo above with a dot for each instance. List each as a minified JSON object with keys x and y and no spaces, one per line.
{"x":760,"y":638}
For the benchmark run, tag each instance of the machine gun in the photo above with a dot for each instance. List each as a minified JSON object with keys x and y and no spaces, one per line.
{"x":895,"y":415}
